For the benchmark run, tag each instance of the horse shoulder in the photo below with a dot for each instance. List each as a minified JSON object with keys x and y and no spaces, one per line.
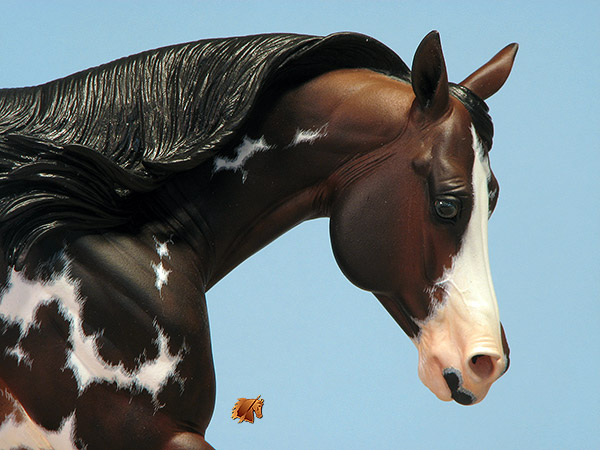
{"x":187,"y":441}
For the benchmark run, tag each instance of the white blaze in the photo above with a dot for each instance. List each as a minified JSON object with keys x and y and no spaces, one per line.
{"x":467,"y":322}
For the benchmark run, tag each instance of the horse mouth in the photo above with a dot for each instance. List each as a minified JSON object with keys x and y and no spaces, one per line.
{"x":458,"y":393}
{"x":398,"y":311}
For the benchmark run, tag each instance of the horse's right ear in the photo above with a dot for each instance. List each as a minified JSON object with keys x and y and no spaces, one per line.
{"x":490,"y":77}
{"x":429,"y":77}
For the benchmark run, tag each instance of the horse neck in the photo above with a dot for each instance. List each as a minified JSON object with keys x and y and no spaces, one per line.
{"x":300,"y":149}
{"x":235,"y":212}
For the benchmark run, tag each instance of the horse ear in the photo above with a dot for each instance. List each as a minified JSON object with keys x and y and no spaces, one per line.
{"x":429,"y":77}
{"x":490,"y":77}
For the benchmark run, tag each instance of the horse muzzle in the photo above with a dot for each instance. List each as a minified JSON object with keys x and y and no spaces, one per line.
{"x":464,"y":377}
{"x":480,"y":375}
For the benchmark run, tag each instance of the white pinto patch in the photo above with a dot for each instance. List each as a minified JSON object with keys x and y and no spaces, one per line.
{"x":467,"y":322}
{"x":153,"y":374}
{"x":162,"y":249}
{"x":162,"y":275}
{"x":247,"y":149}
{"x":309,"y":136}
{"x":19,"y":431}
{"x":22,"y":298}
{"x":19,"y":304}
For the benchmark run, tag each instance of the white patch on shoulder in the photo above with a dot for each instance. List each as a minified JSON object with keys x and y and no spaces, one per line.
{"x":244,"y":151}
{"x":22,"y":298}
{"x":153,"y":374}
{"x":308,"y":136}
{"x":21,"y":432}
{"x":19,"y":304}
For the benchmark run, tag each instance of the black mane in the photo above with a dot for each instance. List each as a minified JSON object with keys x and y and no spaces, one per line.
{"x":72,"y":151}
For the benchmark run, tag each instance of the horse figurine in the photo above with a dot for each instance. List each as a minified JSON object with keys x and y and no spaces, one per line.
{"x":128,"y":190}
{"x":245,"y":408}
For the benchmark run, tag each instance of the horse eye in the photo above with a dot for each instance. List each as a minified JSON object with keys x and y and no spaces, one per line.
{"x":447,"y":208}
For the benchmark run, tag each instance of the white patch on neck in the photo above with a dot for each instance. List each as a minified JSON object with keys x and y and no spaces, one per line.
{"x":308,"y":136}
{"x":244,"y":152}
{"x":162,"y":249}
{"x":467,"y":321}
{"x":19,"y":304}
{"x":162,"y":274}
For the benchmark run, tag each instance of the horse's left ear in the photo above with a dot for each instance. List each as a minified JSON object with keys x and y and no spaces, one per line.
{"x":490,"y":77}
{"x":429,"y":77}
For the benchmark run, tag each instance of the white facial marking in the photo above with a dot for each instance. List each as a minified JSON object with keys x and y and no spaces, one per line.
{"x":244,"y":152}
{"x":467,"y":322}
{"x":309,"y":136}
{"x":19,"y":304}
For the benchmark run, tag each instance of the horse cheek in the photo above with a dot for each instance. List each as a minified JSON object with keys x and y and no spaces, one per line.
{"x":366,"y":237}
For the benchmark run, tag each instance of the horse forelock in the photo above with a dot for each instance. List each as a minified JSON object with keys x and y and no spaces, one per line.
{"x":479,"y":112}
{"x":477,"y":108}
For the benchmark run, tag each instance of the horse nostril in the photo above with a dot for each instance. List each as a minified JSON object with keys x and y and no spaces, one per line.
{"x":482,"y":366}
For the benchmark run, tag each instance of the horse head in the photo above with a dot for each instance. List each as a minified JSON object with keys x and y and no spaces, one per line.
{"x":257,"y":407}
{"x":109,"y":254}
{"x":412,"y":229}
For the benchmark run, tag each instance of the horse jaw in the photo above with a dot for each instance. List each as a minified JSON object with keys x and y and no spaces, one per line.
{"x":460,"y":344}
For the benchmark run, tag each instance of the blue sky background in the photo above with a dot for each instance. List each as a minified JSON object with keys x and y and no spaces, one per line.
{"x":333,"y":367}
